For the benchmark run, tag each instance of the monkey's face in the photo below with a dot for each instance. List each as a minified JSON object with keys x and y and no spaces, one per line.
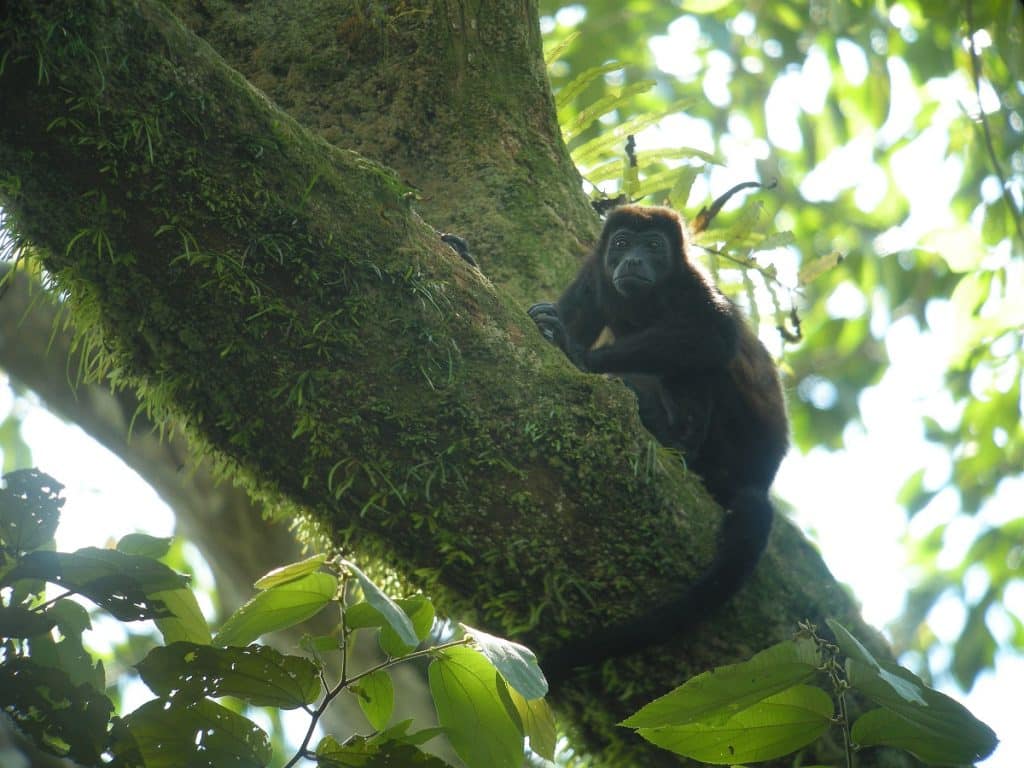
{"x":637,"y":261}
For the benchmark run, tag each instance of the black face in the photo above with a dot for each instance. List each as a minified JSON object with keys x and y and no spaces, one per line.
{"x":637,"y":261}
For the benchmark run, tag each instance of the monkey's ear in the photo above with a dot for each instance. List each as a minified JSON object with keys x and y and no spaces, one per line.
{"x":705,"y":216}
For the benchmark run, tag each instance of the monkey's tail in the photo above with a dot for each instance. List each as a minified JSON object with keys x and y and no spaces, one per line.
{"x":742,"y":541}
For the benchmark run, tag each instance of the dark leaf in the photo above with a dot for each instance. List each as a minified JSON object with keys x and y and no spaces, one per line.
{"x":29,"y":510}
{"x":358,"y":752}
{"x":166,"y":733}
{"x":61,"y":717}
{"x":18,"y":622}
{"x":122,"y":584}
{"x":258,"y":674}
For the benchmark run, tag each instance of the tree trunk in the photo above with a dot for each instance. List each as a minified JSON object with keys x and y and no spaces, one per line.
{"x":282,"y":298}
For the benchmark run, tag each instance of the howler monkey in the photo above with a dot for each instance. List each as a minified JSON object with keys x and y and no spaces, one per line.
{"x":705,"y":385}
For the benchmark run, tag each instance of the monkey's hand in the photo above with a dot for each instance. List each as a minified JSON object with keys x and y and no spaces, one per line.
{"x":550,"y":325}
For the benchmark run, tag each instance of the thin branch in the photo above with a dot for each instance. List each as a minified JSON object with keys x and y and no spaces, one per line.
{"x":986,"y":130}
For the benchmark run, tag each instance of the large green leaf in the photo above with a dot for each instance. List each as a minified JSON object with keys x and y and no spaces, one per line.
{"x":473,"y":711}
{"x":725,"y":691}
{"x":258,"y":674}
{"x":168,"y":733}
{"x":771,"y":728}
{"x":278,"y":608}
{"x":919,"y":719}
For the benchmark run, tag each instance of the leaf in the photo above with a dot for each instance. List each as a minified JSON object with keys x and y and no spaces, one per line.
{"x":16,"y":621}
{"x":167,"y":733}
{"x":603,"y":106}
{"x":935,"y":743}
{"x":144,"y":545}
{"x":122,"y":584}
{"x":29,"y":510}
{"x":726,"y":690}
{"x":186,"y":621}
{"x":388,"y":608}
{"x":850,"y":645}
{"x":575,"y":87}
{"x":278,"y":608}
{"x":420,"y":611}
{"x":815,"y":268}
{"x":67,"y":719}
{"x":359,"y":752}
{"x":469,"y":706}
{"x":515,"y":662}
{"x":774,"y":727}
{"x":591,"y":151}
{"x":538,"y":723}
{"x":556,"y":51}
{"x":291,"y":572}
{"x":376,"y":696}
{"x":258,"y":674}
{"x":926,"y":714}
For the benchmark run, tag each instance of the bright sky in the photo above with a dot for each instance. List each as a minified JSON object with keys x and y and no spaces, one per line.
{"x":845,"y":499}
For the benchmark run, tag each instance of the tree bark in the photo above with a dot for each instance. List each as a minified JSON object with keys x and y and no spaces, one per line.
{"x":283,"y":299}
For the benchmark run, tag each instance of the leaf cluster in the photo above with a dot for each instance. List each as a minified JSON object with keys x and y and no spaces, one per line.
{"x":488,"y":691}
{"x":764,"y":708}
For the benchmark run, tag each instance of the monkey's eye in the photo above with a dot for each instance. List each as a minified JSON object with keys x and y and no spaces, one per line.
{"x":654,"y":244}
{"x":620,"y":242}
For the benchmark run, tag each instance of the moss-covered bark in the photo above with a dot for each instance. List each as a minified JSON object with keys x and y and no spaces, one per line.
{"x":283,"y":299}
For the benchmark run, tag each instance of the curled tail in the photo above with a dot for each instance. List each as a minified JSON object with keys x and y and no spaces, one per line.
{"x":742,"y":540}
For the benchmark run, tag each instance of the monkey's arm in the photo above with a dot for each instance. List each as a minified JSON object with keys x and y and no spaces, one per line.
{"x":704,"y":345}
{"x":575,"y":322}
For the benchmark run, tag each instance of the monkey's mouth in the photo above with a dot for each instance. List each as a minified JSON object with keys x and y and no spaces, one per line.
{"x":630,"y":285}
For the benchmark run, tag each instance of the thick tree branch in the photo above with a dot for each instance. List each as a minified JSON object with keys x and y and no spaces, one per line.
{"x":281,"y":298}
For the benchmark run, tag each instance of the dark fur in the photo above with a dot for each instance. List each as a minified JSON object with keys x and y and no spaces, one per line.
{"x":705,"y":385}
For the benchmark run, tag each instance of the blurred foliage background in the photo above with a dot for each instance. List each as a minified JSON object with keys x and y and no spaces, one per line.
{"x":896,"y":133}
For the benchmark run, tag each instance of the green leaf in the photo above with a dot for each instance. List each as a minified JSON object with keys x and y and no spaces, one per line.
{"x":591,"y":151}
{"x":144,"y":545}
{"x":724,"y":691}
{"x":538,"y":723}
{"x":278,"y":608}
{"x":71,"y":720}
{"x":388,"y":608}
{"x":924,"y":716}
{"x":575,"y":87}
{"x":257,"y":674}
{"x":420,"y":611}
{"x":122,"y":584}
{"x":291,"y":572}
{"x":376,"y":697}
{"x":774,"y":727}
{"x":815,"y":268}
{"x":850,"y":645}
{"x":186,"y":621}
{"x":935,"y":743}
{"x":29,"y":510}
{"x":603,"y":106}
{"x":167,"y":733}
{"x":470,"y":707}
{"x":515,"y":662}
{"x":16,"y":621}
